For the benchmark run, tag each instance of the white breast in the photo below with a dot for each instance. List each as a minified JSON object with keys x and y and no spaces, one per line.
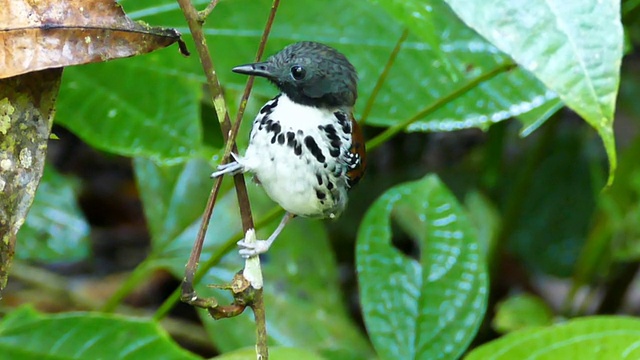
{"x":293,"y":159}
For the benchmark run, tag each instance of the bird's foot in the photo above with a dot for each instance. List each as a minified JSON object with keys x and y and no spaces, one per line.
{"x":258,"y":247}
{"x":231,"y":168}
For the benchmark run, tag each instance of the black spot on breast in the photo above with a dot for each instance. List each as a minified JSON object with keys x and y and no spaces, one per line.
{"x":343,"y":120}
{"x":268,"y":108}
{"x":291,"y":142}
{"x":281,"y":139}
{"x":332,"y":134}
{"x":275,"y":128}
{"x":311,"y":144}
{"x":319,"y":177}
{"x":320,"y":195}
{"x":334,"y":152}
{"x":267,"y":124}
{"x":329,"y":185}
{"x":297,"y":149}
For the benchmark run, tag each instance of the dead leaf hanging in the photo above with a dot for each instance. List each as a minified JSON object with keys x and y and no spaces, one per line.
{"x":42,"y":34}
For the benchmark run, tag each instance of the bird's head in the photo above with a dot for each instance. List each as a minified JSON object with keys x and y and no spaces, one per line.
{"x":309,"y":73}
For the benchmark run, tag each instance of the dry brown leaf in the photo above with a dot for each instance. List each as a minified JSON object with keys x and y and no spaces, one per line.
{"x":26,"y":114}
{"x":42,"y":34}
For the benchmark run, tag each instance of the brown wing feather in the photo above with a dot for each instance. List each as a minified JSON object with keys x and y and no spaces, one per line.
{"x":359,"y":152}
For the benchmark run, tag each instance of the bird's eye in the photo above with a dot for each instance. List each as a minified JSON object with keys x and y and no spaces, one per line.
{"x":298,"y":72}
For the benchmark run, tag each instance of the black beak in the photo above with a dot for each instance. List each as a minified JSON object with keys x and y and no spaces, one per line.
{"x":255,"y":69}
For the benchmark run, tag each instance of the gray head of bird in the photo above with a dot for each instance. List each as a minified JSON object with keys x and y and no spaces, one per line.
{"x":309,"y":73}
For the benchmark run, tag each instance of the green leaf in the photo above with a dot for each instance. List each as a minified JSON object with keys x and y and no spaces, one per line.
{"x":135,"y":107}
{"x":443,"y":56}
{"x":174,"y":196}
{"x":428,"y":308}
{"x":280,"y":353}
{"x":148,"y":106}
{"x":573,"y":46}
{"x":533,"y":119}
{"x":55,"y":229}
{"x":602,"y":337}
{"x":26,"y":334}
{"x":521,"y":311}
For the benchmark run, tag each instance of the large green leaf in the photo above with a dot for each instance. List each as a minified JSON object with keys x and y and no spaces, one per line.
{"x":174,"y":196}
{"x":26,"y":334}
{"x":451,"y":55}
{"x":573,"y":46}
{"x":147,"y":106}
{"x":135,"y":107}
{"x":55,"y":229}
{"x":595,"y":338}
{"x":428,"y":308}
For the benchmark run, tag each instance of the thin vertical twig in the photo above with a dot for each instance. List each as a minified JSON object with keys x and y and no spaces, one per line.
{"x":383,"y":77}
{"x":229,"y":132}
{"x":195,"y":26}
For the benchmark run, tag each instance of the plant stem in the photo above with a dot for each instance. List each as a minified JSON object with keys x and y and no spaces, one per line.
{"x":195,"y":22}
{"x":229,"y":245}
{"x":195,"y":26}
{"x":136,"y":277}
{"x":383,"y":77}
{"x":395,"y":129}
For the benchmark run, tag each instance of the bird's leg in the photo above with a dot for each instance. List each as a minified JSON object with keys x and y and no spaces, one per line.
{"x":261,"y":246}
{"x":230,"y":168}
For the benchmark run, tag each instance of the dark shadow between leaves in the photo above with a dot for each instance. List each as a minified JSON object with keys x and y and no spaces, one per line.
{"x":407,"y":230}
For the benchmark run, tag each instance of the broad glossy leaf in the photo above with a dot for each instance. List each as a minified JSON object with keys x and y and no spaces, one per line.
{"x":573,"y":46}
{"x":173,"y":195}
{"x":55,"y":229}
{"x":534,"y":118}
{"x":425,"y":308}
{"x":601,"y":337}
{"x":174,"y":198}
{"x":135,"y":107}
{"x":147,"y":106}
{"x":26,"y":334}
{"x":442,"y":57}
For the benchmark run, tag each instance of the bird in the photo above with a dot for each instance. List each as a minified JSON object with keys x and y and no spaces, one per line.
{"x":305,"y":147}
